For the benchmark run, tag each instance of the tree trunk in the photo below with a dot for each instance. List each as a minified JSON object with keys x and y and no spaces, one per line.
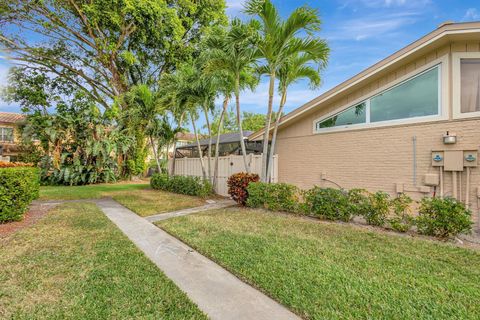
{"x":271,"y":91}
{"x":209,"y":157}
{"x":180,"y":121}
{"x":274,"y":136}
{"x":200,"y":154}
{"x":239,"y":123}
{"x":217,"y":144}
{"x":155,"y":154}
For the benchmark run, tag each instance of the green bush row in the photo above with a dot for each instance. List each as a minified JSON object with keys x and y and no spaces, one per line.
{"x":192,"y":186}
{"x":19,"y":186}
{"x":436,"y":217}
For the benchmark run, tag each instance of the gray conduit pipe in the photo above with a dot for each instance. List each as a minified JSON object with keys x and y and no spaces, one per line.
{"x":441,"y":181}
{"x":467,"y":191}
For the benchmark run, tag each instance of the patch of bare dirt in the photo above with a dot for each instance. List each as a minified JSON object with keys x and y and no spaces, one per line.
{"x":35,"y":213}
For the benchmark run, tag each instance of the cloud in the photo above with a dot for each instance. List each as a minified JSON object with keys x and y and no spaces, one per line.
{"x":372,"y":26}
{"x":471,"y":14}
{"x":385,"y":3}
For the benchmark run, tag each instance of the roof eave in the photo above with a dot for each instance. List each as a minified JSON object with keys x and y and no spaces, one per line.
{"x":433,"y":37}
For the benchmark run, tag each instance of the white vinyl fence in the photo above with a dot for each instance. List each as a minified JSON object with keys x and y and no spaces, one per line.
{"x":226,"y":167}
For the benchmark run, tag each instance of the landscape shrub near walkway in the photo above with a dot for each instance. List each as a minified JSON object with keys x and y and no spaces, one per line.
{"x":443,"y":217}
{"x":437,"y":217}
{"x":273,"y":196}
{"x":328,"y":203}
{"x":19,"y":186}
{"x":192,"y":186}
{"x":238,"y":184}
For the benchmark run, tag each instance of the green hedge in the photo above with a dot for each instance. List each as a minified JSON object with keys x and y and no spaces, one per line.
{"x":18,"y":188}
{"x":437,"y":217}
{"x":192,"y":186}
{"x":273,"y":196}
{"x":328,"y":203}
{"x":443,"y":218}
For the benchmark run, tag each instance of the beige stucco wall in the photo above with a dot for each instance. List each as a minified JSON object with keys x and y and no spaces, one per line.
{"x":378,"y":158}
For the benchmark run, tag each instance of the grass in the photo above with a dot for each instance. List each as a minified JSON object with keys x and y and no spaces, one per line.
{"x":336,"y":271}
{"x":76,"y":264}
{"x":137,"y":197}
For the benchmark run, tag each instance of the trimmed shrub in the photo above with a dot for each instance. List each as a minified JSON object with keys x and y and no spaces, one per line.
{"x":328,"y":203}
{"x":401,"y":220}
{"x":238,"y":184}
{"x":192,"y":186}
{"x":379,"y":209}
{"x":19,"y":186}
{"x":360,"y":202}
{"x":273,"y":196}
{"x":373,"y":207}
{"x":443,"y":218}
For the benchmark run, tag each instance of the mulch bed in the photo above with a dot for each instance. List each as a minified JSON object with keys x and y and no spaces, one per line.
{"x":36,"y":212}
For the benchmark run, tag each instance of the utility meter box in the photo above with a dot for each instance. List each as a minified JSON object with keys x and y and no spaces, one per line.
{"x":470,"y":158}
{"x":437,"y":158}
{"x":453,"y":160}
{"x":431,"y":179}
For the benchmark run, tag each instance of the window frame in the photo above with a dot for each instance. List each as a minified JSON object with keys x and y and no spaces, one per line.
{"x":2,"y":135}
{"x":456,"y":84}
{"x":443,"y":112}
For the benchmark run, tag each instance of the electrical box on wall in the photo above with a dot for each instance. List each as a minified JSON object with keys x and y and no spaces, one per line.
{"x":453,"y":160}
{"x":437,"y":158}
{"x":431,"y":179}
{"x":470,"y":158}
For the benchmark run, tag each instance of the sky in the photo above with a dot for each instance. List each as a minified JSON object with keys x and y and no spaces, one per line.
{"x":359,"y":33}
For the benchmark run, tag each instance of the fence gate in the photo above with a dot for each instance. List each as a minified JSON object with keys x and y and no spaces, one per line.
{"x":226,"y":167}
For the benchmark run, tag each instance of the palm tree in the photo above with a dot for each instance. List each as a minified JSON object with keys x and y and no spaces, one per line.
{"x":297,"y":67}
{"x":279,"y":41}
{"x":234,"y":52}
{"x":144,"y":112}
{"x":183,"y":91}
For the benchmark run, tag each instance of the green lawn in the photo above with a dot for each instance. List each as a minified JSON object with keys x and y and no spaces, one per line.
{"x":137,"y":197}
{"x":75,"y":264}
{"x":337,"y":271}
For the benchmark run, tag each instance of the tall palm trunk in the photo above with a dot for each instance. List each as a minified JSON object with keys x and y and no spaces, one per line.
{"x":266,"y":134}
{"x":180,"y":121}
{"x":217,"y":144}
{"x":274,"y":136}
{"x":200,"y":153}
{"x":239,"y":123}
{"x":209,"y":156}
{"x":155,"y":154}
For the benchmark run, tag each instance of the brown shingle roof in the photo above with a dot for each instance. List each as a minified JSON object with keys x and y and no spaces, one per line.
{"x":10,"y":117}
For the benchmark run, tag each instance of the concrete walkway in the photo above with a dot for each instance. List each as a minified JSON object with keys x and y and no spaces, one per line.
{"x":217,"y":292}
{"x":211,"y":206}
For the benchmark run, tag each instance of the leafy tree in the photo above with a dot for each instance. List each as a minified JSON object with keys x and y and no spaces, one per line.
{"x":279,"y":40}
{"x":78,"y":143}
{"x":101,"y":48}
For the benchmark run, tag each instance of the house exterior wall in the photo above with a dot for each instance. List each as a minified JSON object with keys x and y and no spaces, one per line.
{"x":377,"y":158}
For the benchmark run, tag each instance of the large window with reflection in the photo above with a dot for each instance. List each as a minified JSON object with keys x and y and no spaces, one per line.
{"x":353,"y":115}
{"x":416,"y":97}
